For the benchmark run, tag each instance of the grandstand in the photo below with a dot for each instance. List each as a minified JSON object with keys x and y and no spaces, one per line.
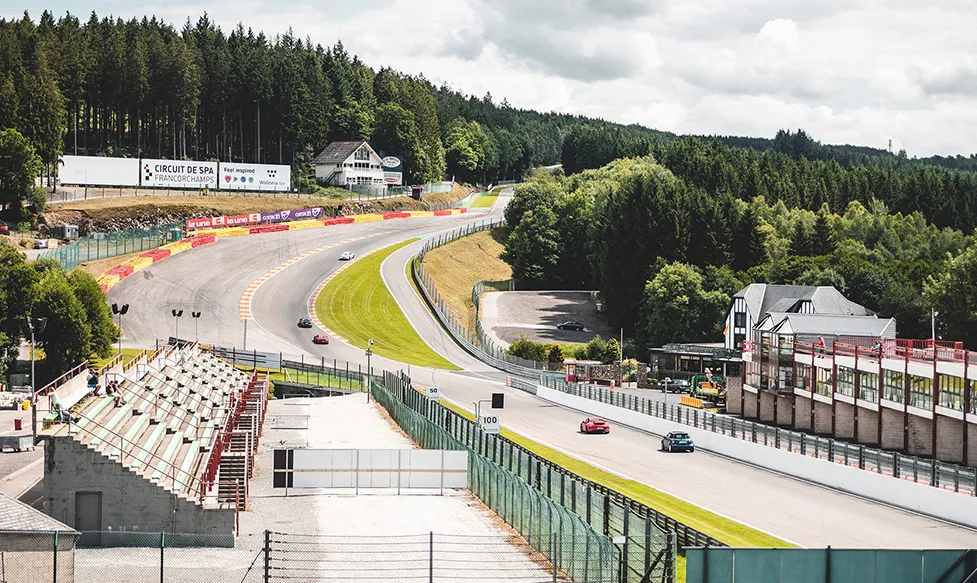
{"x":172,"y":451}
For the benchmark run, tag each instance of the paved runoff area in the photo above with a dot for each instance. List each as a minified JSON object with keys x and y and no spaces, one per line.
{"x":321,"y":526}
{"x":535,"y":314}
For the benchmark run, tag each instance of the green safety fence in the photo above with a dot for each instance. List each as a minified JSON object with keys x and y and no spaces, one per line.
{"x":104,"y":245}
{"x":648,"y":552}
{"x":725,"y":565}
{"x":577,"y":550}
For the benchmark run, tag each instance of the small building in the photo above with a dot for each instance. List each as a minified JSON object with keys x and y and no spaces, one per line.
{"x":29,"y":540}
{"x":753,"y":303}
{"x":347,"y":164}
{"x":591,"y":371}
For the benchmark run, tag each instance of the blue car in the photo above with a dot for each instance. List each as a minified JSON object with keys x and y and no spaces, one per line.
{"x":677,"y":441}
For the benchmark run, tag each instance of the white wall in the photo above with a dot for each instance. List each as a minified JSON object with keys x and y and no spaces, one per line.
{"x":255,"y":177}
{"x":928,"y":500}
{"x":99,"y":171}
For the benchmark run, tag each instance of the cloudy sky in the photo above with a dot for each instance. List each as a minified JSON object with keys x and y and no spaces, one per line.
{"x":847,"y":71}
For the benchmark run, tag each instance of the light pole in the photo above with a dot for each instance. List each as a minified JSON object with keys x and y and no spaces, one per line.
{"x":176,"y":316}
{"x":34,"y":326}
{"x":369,"y":370}
{"x":933,"y":315}
{"x":245,"y":347}
{"x":195,"y":316}
{"x":120,"y":311}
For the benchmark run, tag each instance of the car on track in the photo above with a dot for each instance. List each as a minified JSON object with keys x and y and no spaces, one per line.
{"x":305,"y":322}
{"x":320,"y":339}
{"x":594,"y":425}
{"x":677,"y":441}
{"x":571,"y":325}
{"x":346,"y":256}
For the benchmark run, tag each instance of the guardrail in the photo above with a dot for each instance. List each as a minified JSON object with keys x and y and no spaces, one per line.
{"x":46,"y":389}
{"x":923,"y":471}
{"x":477,"y":344}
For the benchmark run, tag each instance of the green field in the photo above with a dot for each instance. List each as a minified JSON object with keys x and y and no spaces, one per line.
{"x":486,"y":200}
{"x":358,"y":306}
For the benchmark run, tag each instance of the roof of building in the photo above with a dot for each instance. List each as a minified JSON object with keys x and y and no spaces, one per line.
{"x":337,"y":152}
{"x":764,"y":298}
{"x":830,"y":325}
{"x":15,"y":515}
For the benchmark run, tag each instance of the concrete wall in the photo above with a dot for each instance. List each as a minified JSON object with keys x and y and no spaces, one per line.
{"x":784,"y":406}
{"x":803,"y":413}
{"x":733,"y":395}
{"x":868,"y":427}
{"x":844,"y":420}
{"x":30,"y":557}
{"x":920,"y":436}
{"x":72,"y":391}
{"x":766,"y":406}
{"x":822,"y":418}
{"x":892,"y":429}
{"x":949,"y":439}
{"x":750,"y":406}
{"x":935,"y":502}
{"x":129,"y":501}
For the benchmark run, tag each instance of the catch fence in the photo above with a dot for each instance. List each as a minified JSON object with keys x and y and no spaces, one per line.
{"x":514,"y":481}
{"x":104,"y":245}
{"x":924,"y":471}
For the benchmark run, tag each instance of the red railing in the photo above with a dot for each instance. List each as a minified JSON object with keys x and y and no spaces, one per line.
{"x":223,"y":438}
{"x":46,"y":389}
{"x":896,"y":348}
{"x":128,"y":366}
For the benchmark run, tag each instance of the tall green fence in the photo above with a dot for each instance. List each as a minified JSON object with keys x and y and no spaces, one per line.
{"x":105,"y":245}
{"x":726,"y":565}
{"x":648,"y":553}
{"x":576,"y":549}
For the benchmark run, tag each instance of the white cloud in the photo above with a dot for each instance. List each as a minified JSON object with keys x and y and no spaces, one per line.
{"x":856,"y":71}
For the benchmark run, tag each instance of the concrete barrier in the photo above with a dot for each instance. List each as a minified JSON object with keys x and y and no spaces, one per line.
{"x":924,"y":499}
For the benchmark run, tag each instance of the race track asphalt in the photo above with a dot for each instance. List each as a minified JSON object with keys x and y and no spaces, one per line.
{"x":213,"y":278}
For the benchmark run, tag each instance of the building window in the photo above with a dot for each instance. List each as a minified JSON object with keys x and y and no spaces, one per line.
{"x":739,"y":320}
{"x":868,"y":386}
{"x":738,"y":341}
{"x":893,"y":386}
{"x":753,"y":374}
{"x":951,"y":392}
{"x":846,"y":381}
{"x":362,"y":154}
{"x":920,"y":392}
{"x":823,"y":384}
{"x":803,"y":379}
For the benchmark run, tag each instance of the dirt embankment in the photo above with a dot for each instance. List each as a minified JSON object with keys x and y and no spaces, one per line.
{"x":117,"y":214}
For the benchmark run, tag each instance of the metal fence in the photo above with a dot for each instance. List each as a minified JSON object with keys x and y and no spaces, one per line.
{"x":104,"y":245}
{"x":648,"y":551}
{"x":101,"y":557}
{"x":830,"y":565}
{"x":478,"y":343}
{"x":924,"y":471}
{"x":547,"y":526}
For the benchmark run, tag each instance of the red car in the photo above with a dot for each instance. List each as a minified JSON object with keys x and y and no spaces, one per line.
{"x":594,"y":425}
{"x":320,"y":339}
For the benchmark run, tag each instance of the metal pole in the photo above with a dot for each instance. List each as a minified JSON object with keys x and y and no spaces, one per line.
{"x":268,"y":555}
{"x":33,"y":393}
{"x":430,"y":563}
{"x":553,"y":554}
{"x":55,"y":578}
{"x":162,"y":545}
{"x":245,"y":334}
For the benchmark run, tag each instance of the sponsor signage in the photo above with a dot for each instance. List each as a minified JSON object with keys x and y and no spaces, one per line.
{"x":433,"y":394}
{"x":99,"y":171}
{"x":178,"y":174}
{"x":234,"y":176}
{"x":255,"y":218}
{"x":489,"y":424}
{"x":393,"y":169}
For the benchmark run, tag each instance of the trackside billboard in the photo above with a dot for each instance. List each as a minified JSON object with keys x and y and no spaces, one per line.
{"x":393,"y":169}
{"x":234,"y":176}
{"x":99,"y":171}
{"x":255,"y":218}
{"x":178,"y":174}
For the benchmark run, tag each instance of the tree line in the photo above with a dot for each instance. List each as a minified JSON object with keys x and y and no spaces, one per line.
{"x":140,"y":87}
{"x":667,"y":254}
{"x":79,"y":322}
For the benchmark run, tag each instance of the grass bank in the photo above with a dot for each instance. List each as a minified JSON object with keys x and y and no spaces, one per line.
{"x":459,"y":265}
{"x":358,"y":306}
{"x":487,"y":199}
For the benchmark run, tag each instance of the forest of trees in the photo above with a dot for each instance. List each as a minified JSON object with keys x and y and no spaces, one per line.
{"x":107,"y":86}
{"x":667,"y":254}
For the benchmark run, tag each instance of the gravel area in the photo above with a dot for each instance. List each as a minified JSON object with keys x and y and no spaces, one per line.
{"x":510,"y":315}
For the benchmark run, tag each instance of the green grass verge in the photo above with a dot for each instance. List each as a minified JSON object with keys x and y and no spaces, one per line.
{"x":127,"y":355}
{"x":729,"y":531}
{"x":358,"y":306}
{"x":485,"y":201}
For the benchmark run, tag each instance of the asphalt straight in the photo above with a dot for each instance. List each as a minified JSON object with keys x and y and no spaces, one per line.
{"x":213,"y":278}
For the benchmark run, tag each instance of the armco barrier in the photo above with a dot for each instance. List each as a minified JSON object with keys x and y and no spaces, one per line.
{"x":935,"y":502}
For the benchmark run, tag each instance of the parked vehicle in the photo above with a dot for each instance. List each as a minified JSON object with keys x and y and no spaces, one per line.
{"x":40,"y":243}
{"x":305,"y":322}
{"x":594,"y":425}
{"x":571,"y":325}
{"x":677,"y":441}
{"x":675,"y":385}
{"x":320,"y":339}
{"x":346,"y":256}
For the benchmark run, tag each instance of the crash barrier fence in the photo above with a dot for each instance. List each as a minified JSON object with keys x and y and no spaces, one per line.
{"x":477,"y":343}
{"x":434,"y":558}
{"x":915,"y":469}
{"x":104,"y":245}
{"x":132,"y":556}
{"x":647,"y":546}
{"x":830,"y":565}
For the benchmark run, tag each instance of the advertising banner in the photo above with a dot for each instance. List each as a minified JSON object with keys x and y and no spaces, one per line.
{"x":393,"y":169}
{"x":99,"y":171}
{"x":179,"y":174}
{"x":280,"y":216}
{"x":234,"y":176}
{"x":255,"y":218}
